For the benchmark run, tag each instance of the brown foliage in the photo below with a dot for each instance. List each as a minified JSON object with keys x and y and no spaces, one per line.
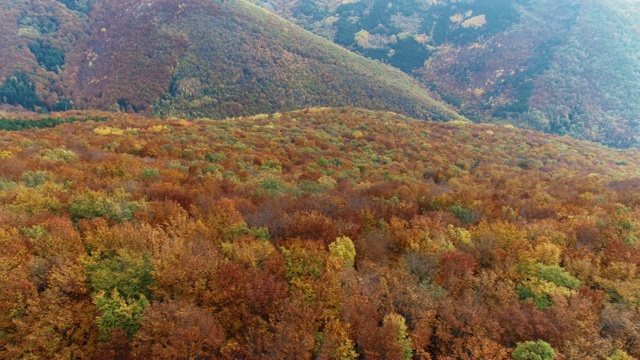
{"x":235,"y":245}
{"x":174,"y":329}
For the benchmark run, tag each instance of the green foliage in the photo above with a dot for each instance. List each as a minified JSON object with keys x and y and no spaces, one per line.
{"x":77,"y":5}
{"x":35,"y":178}
{"x":148,"y":173}
{"x":408,"y":54}
{"x":127,"y":271}
{"x":47,"y":56}
{"x":41,"y":24}
{"x":499,"y":14}
{"x":272,"y":186}
{"x":215,"y":157}
{"x":118,"y":313}
{"x":93,"y":204}
{"x":554,"y":66}
{"x":35,"y":232}
{"x":530,"y":350}
{"x":62,"y":104}
{"x":18,"y":89}
{"x":6,"y":185}
{"x":521,"y":83}
{"x":557,"y":275}
{"x":541,"y":300}
{"x":301,"y":263}
{"x":57,"y":155}
{"x":46,"y":122}
{"x":548,"y":280}
{"x":466,"y":216}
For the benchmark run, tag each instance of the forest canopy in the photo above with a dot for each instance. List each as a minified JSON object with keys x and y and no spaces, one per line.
{"x":321,"y":233}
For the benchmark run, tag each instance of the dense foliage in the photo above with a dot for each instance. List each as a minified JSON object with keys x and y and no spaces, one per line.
{"x":564,"y":67}
{"x":186,"y":58}
{"x":44,"y":122}
{"x":323,"y":233}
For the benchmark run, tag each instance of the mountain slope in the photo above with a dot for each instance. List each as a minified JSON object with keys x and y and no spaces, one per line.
{"x":311,"y":233}
{"x":565,"y":67}
{"x":188,"y":58}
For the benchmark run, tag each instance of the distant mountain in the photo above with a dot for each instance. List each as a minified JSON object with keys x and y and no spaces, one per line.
{"x":196,"y":58}
{"x":562,"y":66}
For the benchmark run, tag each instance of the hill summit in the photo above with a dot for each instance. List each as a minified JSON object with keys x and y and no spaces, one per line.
{"x":187,"y":58}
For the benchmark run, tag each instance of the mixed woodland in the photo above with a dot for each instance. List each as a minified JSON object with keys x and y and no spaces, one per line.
{"x":189,"y":58}
{"x":563,"y":67}
{"x":161,"y":197}
{"x":325,"y":233}
{"x":567,"y":67}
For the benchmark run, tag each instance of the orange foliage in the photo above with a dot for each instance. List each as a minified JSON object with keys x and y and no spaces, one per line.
{"x":233,"y":247}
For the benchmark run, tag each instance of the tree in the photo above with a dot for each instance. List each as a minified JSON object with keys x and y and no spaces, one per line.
{"x":530,"y":350}
{"x":401,"y":347}
{"x":19,"y":90}
{"x":344,"y":250}
{"x":178,"y":330}
{"x":118,"y":313}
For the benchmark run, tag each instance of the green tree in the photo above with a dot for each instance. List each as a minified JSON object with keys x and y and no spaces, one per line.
{"x":126,"y":271}
{"x":125,"y":314}
{"x":533,"y":350}
{"x":19,"y":90}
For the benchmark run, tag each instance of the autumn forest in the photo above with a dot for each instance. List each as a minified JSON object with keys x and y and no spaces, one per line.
{"x":325,"y":233}
{"x":319,"y":179}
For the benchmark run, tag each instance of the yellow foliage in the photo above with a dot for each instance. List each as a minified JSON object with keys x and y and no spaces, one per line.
{"x":260,"y":117}
{"x":619,"y":354}
{"x":159,"y":128}
{"x":34,"y":201}
{"x":461,"y":235}
{"x":619,"y":270}
{"x":250,"y":253}
{"x":327,"y":182}
{"x":55,"y":155}
{"x":628,"y":290}
{"x":304,"y":288}
{"x":5,"y":154}
{"x":106,"y":130}
{"x":338,"y":335}
{"x":459,"y":122}
{"x":422,"y":38}
{"x":478,"y":92}
{"x":344,"y":249}
{"x":398,"y":323}
{"x":547,"y":253}
{"x":357,"y":134}
{"x":362,"y":38}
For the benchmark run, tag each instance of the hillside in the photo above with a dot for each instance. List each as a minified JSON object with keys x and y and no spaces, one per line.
{"x":564,"y":67}
{"x":186,"y":58}
{"x":323,"y":233}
